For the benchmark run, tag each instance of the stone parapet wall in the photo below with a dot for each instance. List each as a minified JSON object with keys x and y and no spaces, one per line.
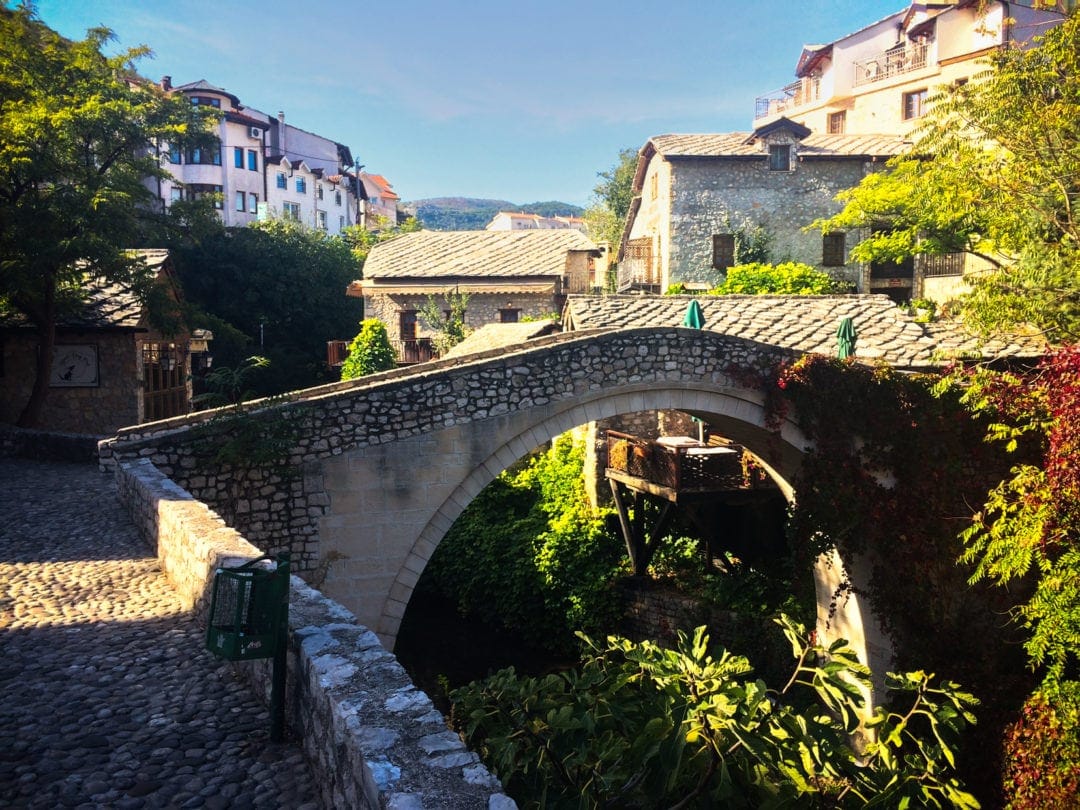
{"x":373,"y":739}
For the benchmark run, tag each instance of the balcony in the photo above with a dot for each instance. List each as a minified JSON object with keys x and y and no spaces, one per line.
{"x":788,"y":97}
{"x":406,"y":352}
{"x":896,"y":61}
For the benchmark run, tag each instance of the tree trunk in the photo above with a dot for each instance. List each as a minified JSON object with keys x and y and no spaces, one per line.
{"x":46,"y":332}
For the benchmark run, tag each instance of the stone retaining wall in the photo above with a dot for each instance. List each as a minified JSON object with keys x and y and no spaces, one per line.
{"x":373,"y":739}
{"x":41,"y":444}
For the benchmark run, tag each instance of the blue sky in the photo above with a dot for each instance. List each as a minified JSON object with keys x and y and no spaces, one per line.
{"x":517,"y":101}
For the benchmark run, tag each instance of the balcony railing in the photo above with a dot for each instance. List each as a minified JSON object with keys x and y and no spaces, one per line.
{"x":945,"y":264}
{"x":788,"y":97}
{"x":686,"y":467}
{"x":406,"y":352}
{"x":893,"y":62}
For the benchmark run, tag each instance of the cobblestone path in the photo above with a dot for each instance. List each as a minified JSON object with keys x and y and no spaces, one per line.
{"x":107,"y":695}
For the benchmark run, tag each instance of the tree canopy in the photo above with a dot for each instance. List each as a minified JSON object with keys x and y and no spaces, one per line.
{"x":613,"y":195}
{"x":77,"y":137}
{"x":993,"y":171}
{"x":276,"y":288}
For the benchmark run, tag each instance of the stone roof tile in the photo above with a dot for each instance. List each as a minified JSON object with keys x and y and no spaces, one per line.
{"x":734,"y":144}
{"x":806,"y":324}
{"x":480,"y":254}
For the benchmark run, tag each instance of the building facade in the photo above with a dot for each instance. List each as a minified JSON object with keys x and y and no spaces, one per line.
{"x":879,"y":79}
{"x":520,"y":221}
{"x":697,"y":196}
{"x":263,"y":168}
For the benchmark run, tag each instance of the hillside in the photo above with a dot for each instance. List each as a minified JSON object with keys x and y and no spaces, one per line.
{"x":472,"y":214}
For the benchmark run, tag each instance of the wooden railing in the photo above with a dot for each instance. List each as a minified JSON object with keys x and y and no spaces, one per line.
{"x":788,"y":97}
{"x":406,"y":352}
{"x":682,"y":467}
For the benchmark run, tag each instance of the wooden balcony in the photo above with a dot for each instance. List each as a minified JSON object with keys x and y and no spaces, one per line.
{"x":896,"y":61}
{"x":788,"y":97}
{"x":406,"y":352}
{"x":678,"y":465}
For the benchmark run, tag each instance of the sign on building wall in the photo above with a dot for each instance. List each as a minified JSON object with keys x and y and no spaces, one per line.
{"x":74,"y":365}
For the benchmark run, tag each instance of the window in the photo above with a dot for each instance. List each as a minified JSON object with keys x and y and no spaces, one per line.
{"x":341,"y":223}
{"x":207,"y":156}
{"x":914,"y":104}
{"x":318,"y":190}
{"x":207,"y":101}
{"x":291,"y":211}
{"x":322,"y":220}
{"x":174,"y":155}
{"x":281,"y":182}
{"x":301,"y":185}
{"x":837,"y":122}
{"x":780,"y":158}
{"x":196,"y":191}
{"x":833,"y":250}
{"x":238,"y":157}
{"x":337,"y":198}
{"x":253,"y":160}
{"x":723,"y":250}
{"x":241,"y":199}
{"x":407,"y":324}
{"x":176,"y":193}
{"x":508,"y":315}
{"x":253,"y":203}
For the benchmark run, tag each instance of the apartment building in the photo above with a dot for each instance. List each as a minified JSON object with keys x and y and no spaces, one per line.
{"x":263,"y":168}
{"x":878,"y":80}
{"x":520,"y":221}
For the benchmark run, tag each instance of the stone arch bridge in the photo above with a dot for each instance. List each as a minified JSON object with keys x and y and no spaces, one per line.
{"x":384,"y":465}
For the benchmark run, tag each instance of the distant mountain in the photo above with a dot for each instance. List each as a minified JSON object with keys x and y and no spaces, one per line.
{"x":471,"y":214}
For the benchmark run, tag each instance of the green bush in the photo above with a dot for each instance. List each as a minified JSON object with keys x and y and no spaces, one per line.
{"x":643,"y":726}
{"x":1042,"y":751}
{"x":531,"y":555}
{"x":788,"y":278}
{"x":370,"y":351}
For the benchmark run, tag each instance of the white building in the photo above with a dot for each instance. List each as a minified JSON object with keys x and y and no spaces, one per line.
{"x":515,"y":221}
{"x":878,"y":79}
{"x":263,"y":168}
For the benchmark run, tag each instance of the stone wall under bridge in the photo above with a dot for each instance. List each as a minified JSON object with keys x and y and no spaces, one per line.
{"x":388,"y":462}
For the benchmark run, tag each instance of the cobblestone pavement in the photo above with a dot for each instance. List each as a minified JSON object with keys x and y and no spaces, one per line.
{"x":108,"y":697}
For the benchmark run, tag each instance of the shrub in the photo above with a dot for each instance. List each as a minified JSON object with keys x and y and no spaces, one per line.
{"x":788,"y":278}
{"x":1042,"y":751}
{"x":370,"y":351}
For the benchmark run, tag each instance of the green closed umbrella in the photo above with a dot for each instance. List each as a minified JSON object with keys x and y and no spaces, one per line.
{"x":694,"y":317}
{"x":845,"y":338}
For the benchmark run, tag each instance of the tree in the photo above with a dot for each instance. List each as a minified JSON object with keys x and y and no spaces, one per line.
{"x":447,"y":323}
{"x":370,"y":351}
{"x":362,"y":240}
{"x":77,"y":135}
{"x":612,"y":198}
{"x":788,"y":278}
{"x":993,"y":172}
{"x":249,"y":279}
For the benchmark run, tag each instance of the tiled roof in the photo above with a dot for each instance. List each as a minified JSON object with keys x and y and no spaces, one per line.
{"x":108,"y":305}
{"x":501,"y":336}
{"x":734,"y":144}
{"x":806,"y":324}
{"x":479,"y":254}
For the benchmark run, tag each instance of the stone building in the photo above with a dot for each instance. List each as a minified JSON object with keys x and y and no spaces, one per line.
{"x":508,"y":276}
{"x":697,"y":196}
{"x":111,"y":368}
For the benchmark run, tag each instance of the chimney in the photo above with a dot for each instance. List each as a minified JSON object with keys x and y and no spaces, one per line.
{"x":281,"y":129}
{"x":166,"y":83}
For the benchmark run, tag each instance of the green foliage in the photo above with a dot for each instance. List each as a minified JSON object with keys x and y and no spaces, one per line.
{"x":1042,"y":751}
{"x":249,"y":278}
{"x":530,"y":554}
{"x":228,"y":385}
{"x":788,"y":278}
{"x":77,"y":135}
{"x":1030,"y":523}
{"x":643,"y":726}
{"x":991,"y":173}
{"x":362,"y":240}
{"x":369,"y":352}
{"x":446,"y":320}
